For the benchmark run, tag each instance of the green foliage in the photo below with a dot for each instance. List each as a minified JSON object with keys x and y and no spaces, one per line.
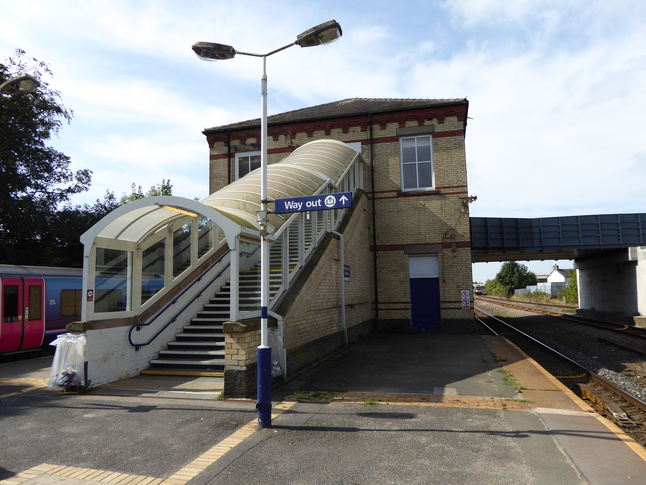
{"x":35,"y":177}
{"x":571,"y":291}
{"x":510,"y":277}
{"x":165,"y":188}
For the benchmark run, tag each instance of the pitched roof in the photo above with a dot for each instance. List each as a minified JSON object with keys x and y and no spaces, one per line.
{"x":340,"y":109}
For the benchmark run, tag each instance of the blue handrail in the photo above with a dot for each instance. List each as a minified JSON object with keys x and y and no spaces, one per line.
{"x":139,"y":326}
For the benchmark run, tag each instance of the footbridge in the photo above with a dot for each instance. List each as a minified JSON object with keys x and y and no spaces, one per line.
{"x":609,"y":253}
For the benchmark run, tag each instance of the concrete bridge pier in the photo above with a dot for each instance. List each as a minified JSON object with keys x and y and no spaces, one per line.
{"x":612,"y":286}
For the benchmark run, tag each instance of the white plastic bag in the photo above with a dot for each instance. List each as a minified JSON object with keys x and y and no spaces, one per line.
{"x":68,"y":366}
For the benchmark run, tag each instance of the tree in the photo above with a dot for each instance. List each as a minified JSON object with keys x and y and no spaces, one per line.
{"x":510,"y":277}
{"x":62,"y":242}
{"x":35,"y":178}
{"x":571,"y":291}
{"x":165,"y":188}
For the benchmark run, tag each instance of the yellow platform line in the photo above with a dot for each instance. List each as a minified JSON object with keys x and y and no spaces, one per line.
{"x":181,"y":477}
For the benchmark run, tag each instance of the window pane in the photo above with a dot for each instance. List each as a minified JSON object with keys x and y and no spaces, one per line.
{"x":424,"y":149}
{"x":204,"y":238}
{"x":112,"y":284}
{"x":70,"y":303}
{"x":408,"y":150}
{"x":10,"y":303}
{"x":153,"y":266}
{"x":254,"y":162}
{"x":425,"y":171}
{"x":181,"y":249}
{"x":410,"y":176}
{"x":35,"y":302}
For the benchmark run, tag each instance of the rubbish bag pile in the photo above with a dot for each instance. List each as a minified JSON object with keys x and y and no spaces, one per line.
{"x":68,"y":366}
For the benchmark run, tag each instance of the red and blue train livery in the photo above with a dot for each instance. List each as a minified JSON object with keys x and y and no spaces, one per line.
{"x":36,"y":304}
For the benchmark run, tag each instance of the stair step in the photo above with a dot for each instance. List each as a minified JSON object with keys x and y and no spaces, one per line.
{"x":196,"y":335}
{"x":182,"y":372}
{"x":179,"y":353}
{"x":201,"y":326}
{"x":187,"y":362}
{"x":198,"y":343}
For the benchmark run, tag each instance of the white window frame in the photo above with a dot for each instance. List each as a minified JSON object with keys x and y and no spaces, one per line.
{"x":244,"y":155}
{"x":416,"y":163}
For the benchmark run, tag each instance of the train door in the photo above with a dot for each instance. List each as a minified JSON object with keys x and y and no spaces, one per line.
{"x":33,"y":313}
{"x":11,"y":314}
{"x":22,"y":322}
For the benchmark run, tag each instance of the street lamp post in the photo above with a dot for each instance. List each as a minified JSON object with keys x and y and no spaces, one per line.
{"x":320,"y":35}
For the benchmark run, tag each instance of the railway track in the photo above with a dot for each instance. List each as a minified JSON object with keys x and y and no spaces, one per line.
{"x":617,"y":401}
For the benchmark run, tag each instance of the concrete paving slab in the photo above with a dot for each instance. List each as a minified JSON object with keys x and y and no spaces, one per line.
{"x":597,"y":447}
{"x":354,"y":443}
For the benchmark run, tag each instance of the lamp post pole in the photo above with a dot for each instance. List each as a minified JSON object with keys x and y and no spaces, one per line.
{"x":320,"y":35}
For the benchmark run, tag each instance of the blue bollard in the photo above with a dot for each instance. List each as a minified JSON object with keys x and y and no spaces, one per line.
{"x":263,"y":403}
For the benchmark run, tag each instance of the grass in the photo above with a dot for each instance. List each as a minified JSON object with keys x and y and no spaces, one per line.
{"x":511,"y":381}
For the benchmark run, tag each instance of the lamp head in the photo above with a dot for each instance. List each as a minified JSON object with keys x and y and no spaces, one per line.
{"x":21,"y":84}
{"x":210,"y":51}
{"x":320,"y":35}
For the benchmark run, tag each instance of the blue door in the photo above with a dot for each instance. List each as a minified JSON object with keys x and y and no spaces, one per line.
{"x":425,"y":304}
{"x":425,"y":312}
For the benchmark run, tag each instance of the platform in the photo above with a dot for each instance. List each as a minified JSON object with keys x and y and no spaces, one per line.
{"x":390,"y":409}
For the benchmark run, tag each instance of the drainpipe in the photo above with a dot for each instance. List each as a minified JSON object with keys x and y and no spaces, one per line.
{"x":374,"y":217}
{"x":344,"y":327}
{"x":229,"y":157}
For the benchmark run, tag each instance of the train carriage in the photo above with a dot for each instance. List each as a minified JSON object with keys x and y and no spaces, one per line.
{"x":36,"y":304}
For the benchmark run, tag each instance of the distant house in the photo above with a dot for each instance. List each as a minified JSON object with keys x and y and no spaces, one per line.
{"x":559,"y":275}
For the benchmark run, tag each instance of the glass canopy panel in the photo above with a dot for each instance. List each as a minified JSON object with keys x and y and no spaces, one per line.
{"x":153,"y":270}
{"x":181,"y":249}
{"x":112,"y":283}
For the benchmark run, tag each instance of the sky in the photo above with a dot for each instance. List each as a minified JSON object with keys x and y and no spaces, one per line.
{"x":555,"y":87}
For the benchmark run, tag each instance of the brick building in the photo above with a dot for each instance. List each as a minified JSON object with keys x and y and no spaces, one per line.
{"x":172,"y":284}
{"x":417,"y":206}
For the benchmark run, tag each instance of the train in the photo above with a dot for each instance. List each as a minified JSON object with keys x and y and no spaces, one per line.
{"x":479,"y":289}
{"x":36,"y":304}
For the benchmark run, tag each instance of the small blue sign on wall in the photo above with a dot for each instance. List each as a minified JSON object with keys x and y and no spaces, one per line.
{"x":341,"y":200}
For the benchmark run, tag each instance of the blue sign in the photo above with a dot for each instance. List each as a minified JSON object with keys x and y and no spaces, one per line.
{"x":342,"y":200}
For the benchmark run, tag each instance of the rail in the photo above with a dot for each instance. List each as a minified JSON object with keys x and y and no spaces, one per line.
{"x":138,"y":327}
{"x":635,"y":400}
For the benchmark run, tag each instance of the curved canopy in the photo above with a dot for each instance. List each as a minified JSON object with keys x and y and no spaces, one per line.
{"x":303,"y":173}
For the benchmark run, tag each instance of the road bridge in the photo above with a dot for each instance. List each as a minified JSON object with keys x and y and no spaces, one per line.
{"x":609,"y":253}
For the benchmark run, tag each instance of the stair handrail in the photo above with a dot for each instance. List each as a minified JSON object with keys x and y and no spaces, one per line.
{"x":139,"y":326}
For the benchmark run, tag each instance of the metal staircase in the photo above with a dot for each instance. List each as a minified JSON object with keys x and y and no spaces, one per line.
{"x":199,"y":348}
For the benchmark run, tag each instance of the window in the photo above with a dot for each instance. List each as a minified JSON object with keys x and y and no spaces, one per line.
{"x":417,"y":162}
{"x":71,"y":303}
{"x":246,"y":162}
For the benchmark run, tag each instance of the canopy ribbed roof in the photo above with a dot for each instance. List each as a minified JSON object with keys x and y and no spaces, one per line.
{"x":300,"y":174}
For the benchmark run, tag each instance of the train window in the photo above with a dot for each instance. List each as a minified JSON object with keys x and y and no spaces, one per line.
{"x":35,"y":302}
{"x":70,"y":303}
{"x":10,"y":303}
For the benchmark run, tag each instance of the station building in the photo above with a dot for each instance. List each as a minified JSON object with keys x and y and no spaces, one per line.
{"x":416,"y":184}
{"x":399,"y":259}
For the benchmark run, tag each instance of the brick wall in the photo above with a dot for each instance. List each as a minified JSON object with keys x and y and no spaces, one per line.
{"x":437,"y":217}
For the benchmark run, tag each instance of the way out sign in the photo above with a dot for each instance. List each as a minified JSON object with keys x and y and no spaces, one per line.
{"x":341,"y":200}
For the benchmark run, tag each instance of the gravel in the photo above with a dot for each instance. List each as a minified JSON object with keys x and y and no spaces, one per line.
{"x":621,"y":367}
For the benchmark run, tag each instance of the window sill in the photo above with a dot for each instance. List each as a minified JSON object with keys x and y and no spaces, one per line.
{"x":429,"y":191}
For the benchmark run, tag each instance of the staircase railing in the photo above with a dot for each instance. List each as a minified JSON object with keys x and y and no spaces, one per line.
{"x":297,"y":238}
{"x":138,"y":327}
